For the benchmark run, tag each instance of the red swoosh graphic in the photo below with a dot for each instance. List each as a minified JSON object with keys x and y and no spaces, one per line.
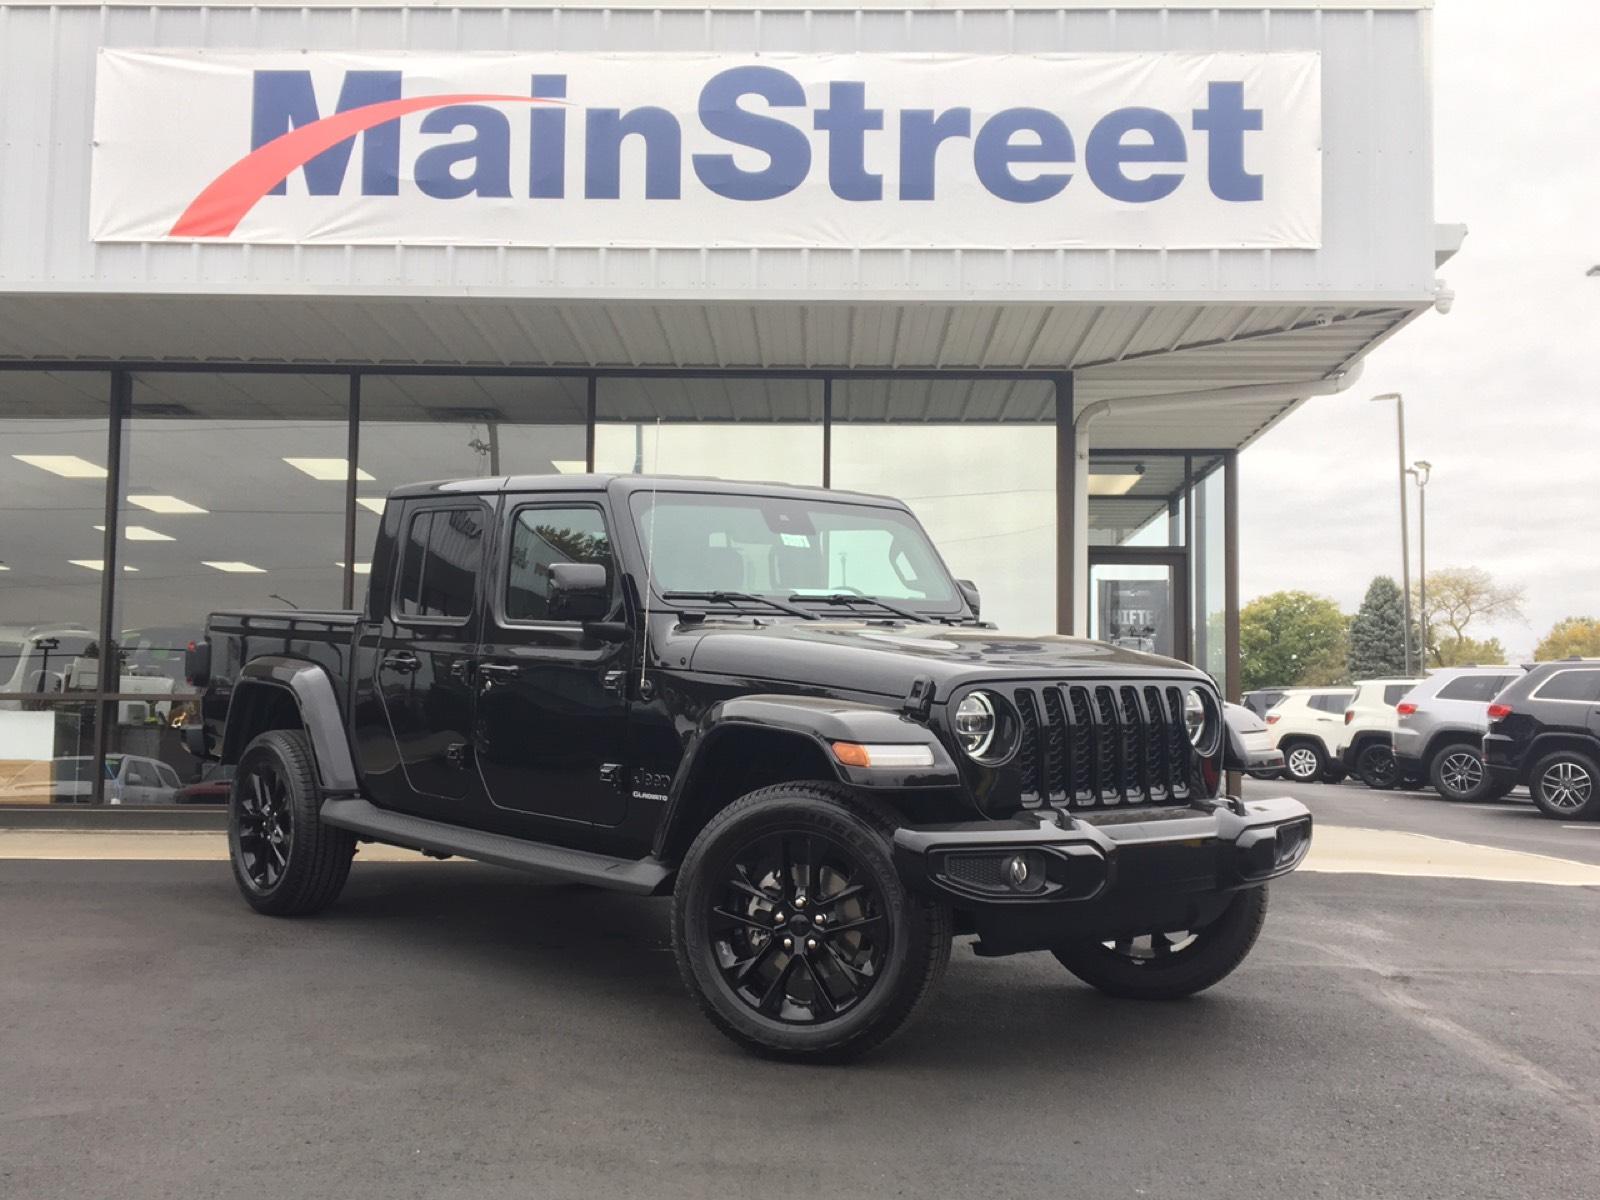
{"x":219,"y":208}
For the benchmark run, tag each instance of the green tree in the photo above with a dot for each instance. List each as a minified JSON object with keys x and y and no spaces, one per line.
{"x":1291,"y":638}
{"x":1459,"y":598}
{"x":1378,"y":633}
{"x":1573,"y":635}
{"x":1465,"y":652}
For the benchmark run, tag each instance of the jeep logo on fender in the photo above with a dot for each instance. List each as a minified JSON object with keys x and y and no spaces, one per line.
{"x":1092,"y":150}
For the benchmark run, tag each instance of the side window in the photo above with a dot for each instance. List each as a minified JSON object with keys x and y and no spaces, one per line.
{"x":542,"y":537}
{"x":1479,"y":688}
{"x":1335,"y":702}
{"x":439,"y":563}
{"x":169,"y":777}
{"x":1396,"y":692}
{"x":1570,"y":685}
{"x":141,"y":775}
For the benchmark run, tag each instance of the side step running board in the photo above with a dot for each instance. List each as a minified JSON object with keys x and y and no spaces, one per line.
{"x":642,"y":876}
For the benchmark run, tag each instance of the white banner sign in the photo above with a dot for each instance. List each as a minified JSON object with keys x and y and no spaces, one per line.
{"x":689,"y":150}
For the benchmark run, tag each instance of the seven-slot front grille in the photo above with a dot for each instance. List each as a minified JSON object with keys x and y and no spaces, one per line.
{"x":1099,"y":745}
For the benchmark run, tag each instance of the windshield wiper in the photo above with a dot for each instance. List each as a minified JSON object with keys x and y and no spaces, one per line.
{"x":721,"y":597}
{"x":850,"y":599}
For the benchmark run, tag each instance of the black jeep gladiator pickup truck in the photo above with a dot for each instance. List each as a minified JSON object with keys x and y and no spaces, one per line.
{"x":772,"y":703}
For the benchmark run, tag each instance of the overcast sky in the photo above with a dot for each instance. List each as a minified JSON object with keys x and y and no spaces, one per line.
{"x":1503,"y":393}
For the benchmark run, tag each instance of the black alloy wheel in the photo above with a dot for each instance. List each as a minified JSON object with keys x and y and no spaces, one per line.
{"x":800,"y":934}
{"x":1566,"y":786}
{"x":1377,"y":767}
{"x":1171,"y":964}
{"x":286,"y":862}
{"x":793,"y":930}
{"x":265,"y":825}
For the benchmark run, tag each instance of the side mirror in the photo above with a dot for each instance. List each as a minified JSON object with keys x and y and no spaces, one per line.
{"x":969,"y":592}
{"x":579,"y":592}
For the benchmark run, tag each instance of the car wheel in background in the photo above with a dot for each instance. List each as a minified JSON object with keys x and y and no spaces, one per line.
{"x":1566,"y":786}
{"x":1376,"y":766}
{"x":1457,"y":773}
{"x":1265,"y":774}
{"x":1304,"y":762}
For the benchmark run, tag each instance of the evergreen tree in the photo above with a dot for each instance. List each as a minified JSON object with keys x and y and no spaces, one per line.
{"x":1378,"y":633}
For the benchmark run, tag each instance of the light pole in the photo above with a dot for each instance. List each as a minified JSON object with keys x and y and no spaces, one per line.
{"x":1420,"y":470}
{"x":1405,"y":532}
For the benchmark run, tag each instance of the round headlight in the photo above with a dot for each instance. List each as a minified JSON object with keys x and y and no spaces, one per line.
{"x":975,"y":724}
{"x":1200,"y":721}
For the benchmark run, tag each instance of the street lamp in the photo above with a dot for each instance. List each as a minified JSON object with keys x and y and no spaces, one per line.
{"x":1420,"y":470}
{"x":1405,"y":532}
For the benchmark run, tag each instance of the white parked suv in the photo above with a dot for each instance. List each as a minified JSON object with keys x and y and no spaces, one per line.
{"x":1306,"y":725}
{"x":1441,"y":728}
{"x":1366,"y":743}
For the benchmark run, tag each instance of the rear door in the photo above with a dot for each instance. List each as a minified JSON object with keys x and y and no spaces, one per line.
{"x":551,"y":718}
{"x":425,"y":656}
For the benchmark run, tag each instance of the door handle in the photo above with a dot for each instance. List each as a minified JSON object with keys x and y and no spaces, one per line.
{"x":404,"y":662}
{"x":493,"y":673}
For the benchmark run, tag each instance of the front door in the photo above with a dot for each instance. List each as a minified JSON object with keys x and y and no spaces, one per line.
{"x":550,"y":727}
{"x":1139,"y":599}
{"x":425,"y":656}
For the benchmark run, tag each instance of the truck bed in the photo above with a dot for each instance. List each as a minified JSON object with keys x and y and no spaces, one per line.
{"x":321,"y":636}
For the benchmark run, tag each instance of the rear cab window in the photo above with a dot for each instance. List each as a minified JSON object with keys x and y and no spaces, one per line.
{"x":441,"y":556}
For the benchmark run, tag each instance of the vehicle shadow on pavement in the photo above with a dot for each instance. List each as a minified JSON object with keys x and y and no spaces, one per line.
{"x":603,"y":954}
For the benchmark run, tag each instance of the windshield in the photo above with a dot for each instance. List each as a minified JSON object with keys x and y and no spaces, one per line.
{"x":790,"y":549}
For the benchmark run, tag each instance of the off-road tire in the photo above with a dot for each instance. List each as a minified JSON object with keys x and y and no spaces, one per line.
{"x":1443,"y":775}
{"x":1581,"y":768}
{"x":318,"y":855}
{"x":1311,"y":767}
{"x":919,"y":937}
{"x":1217,"y":951}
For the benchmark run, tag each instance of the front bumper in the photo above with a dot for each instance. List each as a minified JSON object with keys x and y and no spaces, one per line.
{"x":1102,"y":874}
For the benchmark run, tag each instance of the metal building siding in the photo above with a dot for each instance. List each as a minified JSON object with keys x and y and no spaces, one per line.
{"x":1377,"y":212}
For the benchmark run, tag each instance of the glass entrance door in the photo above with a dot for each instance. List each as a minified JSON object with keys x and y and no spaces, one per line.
{"x":1139,"y":600}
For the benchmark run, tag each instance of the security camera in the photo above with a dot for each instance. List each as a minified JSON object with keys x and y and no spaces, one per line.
{"x":1444,"y":298}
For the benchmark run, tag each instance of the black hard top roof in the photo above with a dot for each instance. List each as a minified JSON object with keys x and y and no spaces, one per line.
{"x":627,"y":484}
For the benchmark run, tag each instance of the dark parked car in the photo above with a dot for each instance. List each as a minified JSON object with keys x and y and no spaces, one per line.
{"x":1544,"y":731}
{"x":773,"y":704}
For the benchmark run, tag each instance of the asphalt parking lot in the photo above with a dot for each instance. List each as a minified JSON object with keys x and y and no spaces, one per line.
{"x":452,"y":1031}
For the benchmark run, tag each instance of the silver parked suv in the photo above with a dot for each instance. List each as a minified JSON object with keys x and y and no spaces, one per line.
{"x":1441,"y":727}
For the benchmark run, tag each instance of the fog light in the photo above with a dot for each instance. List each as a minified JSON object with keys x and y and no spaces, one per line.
{"x":1016,"y":872}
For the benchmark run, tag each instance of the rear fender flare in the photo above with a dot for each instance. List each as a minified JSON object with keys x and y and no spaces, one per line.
{"x":312,"y":691}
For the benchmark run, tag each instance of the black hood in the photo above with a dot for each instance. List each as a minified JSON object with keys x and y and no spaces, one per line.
{"x":885,"y":658}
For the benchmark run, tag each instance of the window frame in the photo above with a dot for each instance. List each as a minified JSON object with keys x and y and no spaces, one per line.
{"x":1443,"y":693}
{"x":502,"y":569}
{"x":403,"y":542}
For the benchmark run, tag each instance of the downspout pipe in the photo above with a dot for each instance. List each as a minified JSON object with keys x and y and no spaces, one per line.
{"x":1257,"y":393}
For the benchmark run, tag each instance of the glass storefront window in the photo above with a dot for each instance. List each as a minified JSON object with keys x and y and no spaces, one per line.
{"x":46,"y":751}
{"x":1208,"y":566}
{"x":984,"y":490}
{"x":232,"y":497}
{"x":756,"y":429}
{"x":1136,"y":499}
{"x":53,"y":478}
{"x":421,"y":427}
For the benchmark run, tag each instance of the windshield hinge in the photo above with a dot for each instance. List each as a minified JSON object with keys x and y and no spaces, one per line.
{"x":919,"y":700}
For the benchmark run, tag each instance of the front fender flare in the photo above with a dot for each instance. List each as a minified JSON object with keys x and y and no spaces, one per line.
{"x":311,"y":688}
{"x":820,"y":721}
